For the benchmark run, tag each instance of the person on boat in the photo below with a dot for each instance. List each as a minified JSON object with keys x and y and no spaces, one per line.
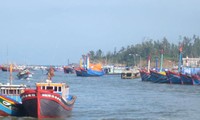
{"x":50,"y":73}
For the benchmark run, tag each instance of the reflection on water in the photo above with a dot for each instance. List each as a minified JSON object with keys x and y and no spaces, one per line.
{"x":112,"y":98}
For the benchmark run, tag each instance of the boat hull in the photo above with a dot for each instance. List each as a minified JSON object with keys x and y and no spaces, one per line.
{"x":45,"y":104}
{"x":187,"y":80}
{"x":156,"y":77}
{"x":9,"y":107}
{"x":145,"y":76}
{"x":174,"y":78}
{"x":89,"y":73}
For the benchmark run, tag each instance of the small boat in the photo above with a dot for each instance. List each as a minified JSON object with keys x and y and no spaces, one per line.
{"x":24,"y":74}
{"x":48,"y":100}
{"x":6,"y":68}
{"x":130,"y":74}
{"x":10,"y":101}
{"x":68,"y":70}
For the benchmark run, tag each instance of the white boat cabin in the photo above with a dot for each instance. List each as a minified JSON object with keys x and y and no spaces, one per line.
{"x":59,"y":88}
{"x":12,"y":91}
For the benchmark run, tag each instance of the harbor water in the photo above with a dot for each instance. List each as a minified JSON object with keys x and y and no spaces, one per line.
{"x":111,"y":98}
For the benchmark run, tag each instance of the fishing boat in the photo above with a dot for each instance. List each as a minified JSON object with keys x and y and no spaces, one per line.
{"x":145,"y":73}
{"x":174,"y":77}
{"x":6,"y":68}
{"x":88,"y":69}
{"x":24,"y":74}
{"x":48,"y":100}
{"x":187,"y":79}
{"x":10,"y":101}
{"x":158,"y":77}
{"x":78,"y":71}
{"x":68,"y":70}
{"x":130,"y":74}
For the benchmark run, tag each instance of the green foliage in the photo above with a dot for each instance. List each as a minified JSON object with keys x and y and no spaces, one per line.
{"x":132,"y":54}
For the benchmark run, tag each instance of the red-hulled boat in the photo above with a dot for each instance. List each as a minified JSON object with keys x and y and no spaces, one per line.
{"x":48,"y":100}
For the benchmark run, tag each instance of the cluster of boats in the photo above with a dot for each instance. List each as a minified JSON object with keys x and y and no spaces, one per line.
{"x":170,"y":77}
{"x":46,"y":100}
{"x":184,"y":75}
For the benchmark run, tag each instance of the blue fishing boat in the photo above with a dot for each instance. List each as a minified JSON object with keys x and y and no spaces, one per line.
{"x":187,"y":79}
{"x":174,"y":77}
{"x":145,"y":75}
{"x":10,"y":101}
{"x":158,"y":77}
{"x":88,"y":69}
{"x":90,"y":72}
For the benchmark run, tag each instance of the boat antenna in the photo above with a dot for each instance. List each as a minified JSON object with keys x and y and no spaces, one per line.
{"x":161,"y":59}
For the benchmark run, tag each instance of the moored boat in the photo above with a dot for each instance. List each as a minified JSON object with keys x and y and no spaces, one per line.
{"x":130,"y":74}
{"x":68,"y":70}
{"x":88,"y":69}
{"x":158,"y":77}
{"x":174,"y":77}
{"x":187,"y":79}
{"x":48,"y":100}
{"x":145,"y":75}
{"x":24,"y":74}
{"x":10,"y":101}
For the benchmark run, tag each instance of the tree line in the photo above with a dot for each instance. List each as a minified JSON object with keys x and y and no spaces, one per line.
{"x":133,"y":53}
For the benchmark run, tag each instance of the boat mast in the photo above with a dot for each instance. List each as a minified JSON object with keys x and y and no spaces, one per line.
{"x":148,"y":63}
{"x":161,"y":60}
{"x":156,"y":63}
{"x":180,"y":58}
{"x":88,"y":61}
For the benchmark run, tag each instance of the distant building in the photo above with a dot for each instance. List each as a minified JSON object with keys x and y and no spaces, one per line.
{"x":191,"y":62}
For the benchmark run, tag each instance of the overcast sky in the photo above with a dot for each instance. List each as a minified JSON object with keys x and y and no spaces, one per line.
{"x":53,"y":31}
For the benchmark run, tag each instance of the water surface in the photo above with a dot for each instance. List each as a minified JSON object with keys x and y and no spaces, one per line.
{"x":111,"y":98}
